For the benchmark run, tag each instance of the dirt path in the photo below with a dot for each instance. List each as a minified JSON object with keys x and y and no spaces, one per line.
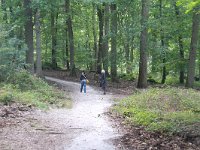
{"x":82,"y":127}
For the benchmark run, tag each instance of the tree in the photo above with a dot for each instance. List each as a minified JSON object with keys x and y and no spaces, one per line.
{"x":29,"y":35}
{"x":162,"y":45}
{"x":54,"y":17}
{"x":106,"y":37}
{"x":100,"y":13}
{"x":142,"y":79}
{"x":94,"y":35}
{"x":38,"y":44}
{"x":193,"y":48}
{"x":66,"y":40}
{"x":71,"y":38}
{"x":113,"y":42}
{"x":180,"y":41}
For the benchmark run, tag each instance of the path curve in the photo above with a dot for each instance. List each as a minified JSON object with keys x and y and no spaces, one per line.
{"x":82,"y":127}
{"x":87,"y":117}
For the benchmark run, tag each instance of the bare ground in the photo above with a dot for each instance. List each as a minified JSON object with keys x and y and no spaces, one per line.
{"x":84,"y":127}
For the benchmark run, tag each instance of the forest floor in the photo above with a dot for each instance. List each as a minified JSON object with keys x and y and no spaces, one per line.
{"x":86,"y":124}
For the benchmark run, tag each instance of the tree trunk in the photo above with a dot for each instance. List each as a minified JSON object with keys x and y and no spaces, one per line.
{"x":71,"y":39}
{"x":193,"y":48}
{"x":162,"y":46}
{"x":29,"y":35}
{"x":94,"y":36}
{"x":142,"y":79}
{"x":54,"y":17}
{"x":38,"y":44}
{"x":114,"y":42}
{"x":106,"y":39}
{"x":100,"y":14}
{"x":127,"y":56}
{"x":180,"y":41}
{"x":66,"y":40}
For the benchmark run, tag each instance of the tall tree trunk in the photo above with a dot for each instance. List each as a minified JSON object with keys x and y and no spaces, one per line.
{"x":131,"y":54}
{"x":106,"y":39}
{"x":66,"y":40}
{"x":29,"y":35}
{"x":162,"y":46}
{"x":193,"y":48}
{"x":100,"y":14}
{"x":153,"y":61}
{"x":38,"y":44}
{"x":71,"y":38}
{"x":53,"y":41}
{"x":114,"y":42}
{"x":181,"y":50}
{"x":94,"y":36}
{"x":127,"y":55}
{"x":142,"y":79}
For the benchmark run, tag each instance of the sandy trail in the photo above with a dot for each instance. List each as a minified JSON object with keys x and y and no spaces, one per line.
{"x":82,"y":127}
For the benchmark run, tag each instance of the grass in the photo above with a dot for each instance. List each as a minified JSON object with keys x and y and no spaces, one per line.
{"x":165,"y":110}
{"x":27,"y":89}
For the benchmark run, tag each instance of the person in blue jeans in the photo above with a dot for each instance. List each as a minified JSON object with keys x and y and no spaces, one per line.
{"x":83,"y":82}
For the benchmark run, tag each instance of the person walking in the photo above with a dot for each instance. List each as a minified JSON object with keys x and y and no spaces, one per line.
{"x":83,"y":82}
{"x":103,"y":81}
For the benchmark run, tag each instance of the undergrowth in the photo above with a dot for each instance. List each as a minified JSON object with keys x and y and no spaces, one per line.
{"x":165,"y":110}
{"x":27,"y":89}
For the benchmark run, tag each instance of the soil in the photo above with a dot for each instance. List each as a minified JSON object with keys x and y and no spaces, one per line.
{"x":87,"y":124}
{"x":84,"y":125}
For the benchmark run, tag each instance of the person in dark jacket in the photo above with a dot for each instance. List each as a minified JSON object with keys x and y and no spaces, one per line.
{"x":83,"y":82}
{"x":103,"y":81}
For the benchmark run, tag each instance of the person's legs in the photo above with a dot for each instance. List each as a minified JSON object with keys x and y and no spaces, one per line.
{"x":81,"y":86}
{"x":84,"y":85}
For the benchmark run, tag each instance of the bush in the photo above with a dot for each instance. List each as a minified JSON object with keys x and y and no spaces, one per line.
{"x":6,"y":97}
{"x":28,"y":89}
{"x":165,"y":110}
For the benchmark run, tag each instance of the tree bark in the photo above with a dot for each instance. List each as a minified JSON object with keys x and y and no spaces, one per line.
{"x":53,"y":39}
{"x":66,"y":40}
{"x":106,"y":38}
{"x":114,"y":42}
{"x":100,"y":14}
{"x":71,"y":39}
{"x":29,"y":35}
{"x":142,"y":79}
{"x":162,"y":46}
{"x":181,"y":50}
{"x":127,"y":55}
{"x":193,"y":48}
{"x":94,"y":36}
{"x":38,"y":44}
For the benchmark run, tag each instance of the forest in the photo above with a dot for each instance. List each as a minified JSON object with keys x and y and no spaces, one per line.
{"x":146,"y":40}
{"x":154,"y":44}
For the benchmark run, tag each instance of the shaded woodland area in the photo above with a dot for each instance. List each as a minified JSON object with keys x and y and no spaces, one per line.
{"x":135,"y":42}
{"x":155,"y":39}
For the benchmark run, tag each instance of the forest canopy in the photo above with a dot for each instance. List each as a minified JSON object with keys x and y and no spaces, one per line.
{"x":148,"y":40}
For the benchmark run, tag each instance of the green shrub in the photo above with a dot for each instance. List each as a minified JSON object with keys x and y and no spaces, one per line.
{"x":165,"y":110}
{"x":28,"y":89}
{"x":6,"y":97}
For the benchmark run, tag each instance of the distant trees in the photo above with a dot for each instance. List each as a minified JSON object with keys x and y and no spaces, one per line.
{"x":143,"y":40}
